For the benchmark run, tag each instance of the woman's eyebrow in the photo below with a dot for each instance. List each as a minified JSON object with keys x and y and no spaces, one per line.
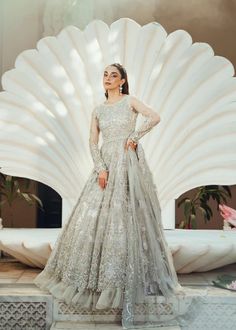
{"x":111,"y":72}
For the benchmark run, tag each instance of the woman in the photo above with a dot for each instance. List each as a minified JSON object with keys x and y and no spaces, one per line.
{"x":112,"y":252}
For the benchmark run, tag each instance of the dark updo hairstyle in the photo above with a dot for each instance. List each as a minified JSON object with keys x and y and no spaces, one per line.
{"x":125,"y":86}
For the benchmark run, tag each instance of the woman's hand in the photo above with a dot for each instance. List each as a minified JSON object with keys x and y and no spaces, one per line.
{"x":130,"y":143}
{"x":102,"y":179}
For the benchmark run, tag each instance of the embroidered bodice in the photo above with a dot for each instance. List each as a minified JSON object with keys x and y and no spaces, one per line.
{"x":116,"y":121}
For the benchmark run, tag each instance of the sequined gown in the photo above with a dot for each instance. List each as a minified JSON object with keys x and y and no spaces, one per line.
{"x":112,"y":253}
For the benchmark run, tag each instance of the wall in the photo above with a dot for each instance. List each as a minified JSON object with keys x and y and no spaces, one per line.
{"x":21,"y":26}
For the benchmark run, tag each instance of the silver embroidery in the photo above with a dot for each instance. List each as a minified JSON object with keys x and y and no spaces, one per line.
{"x":90,"y":253}
{"x":112,"y":249}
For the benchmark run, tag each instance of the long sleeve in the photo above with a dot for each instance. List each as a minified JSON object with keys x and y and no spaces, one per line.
{"x":99,"y":164}
{"x":152,"y":119}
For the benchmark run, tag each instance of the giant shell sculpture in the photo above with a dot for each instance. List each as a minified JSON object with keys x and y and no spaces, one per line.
{"x":48,"y":98}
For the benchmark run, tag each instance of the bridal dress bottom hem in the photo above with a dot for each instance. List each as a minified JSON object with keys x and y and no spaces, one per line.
{"x":72,"y":295}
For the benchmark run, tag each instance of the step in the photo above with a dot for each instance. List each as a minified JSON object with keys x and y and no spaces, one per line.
{"x":24,"y":306}
{"x":98,"y":326}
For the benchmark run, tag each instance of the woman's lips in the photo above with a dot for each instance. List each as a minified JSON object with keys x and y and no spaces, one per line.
{"x":107,"y":83}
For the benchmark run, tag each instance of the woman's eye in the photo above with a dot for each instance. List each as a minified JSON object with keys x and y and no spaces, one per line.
{"x":113,"y":75}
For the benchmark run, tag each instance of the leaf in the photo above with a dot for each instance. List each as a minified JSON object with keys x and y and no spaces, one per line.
{"x":37,"y":199}
{"x":181,"y":201}
{"x":227,"y":189}
{"x":203,"y":211}
{"x":193,"y":221}
{"x":182,"y":224}
{"x":187,"y":207}
{"x":26,"y":197}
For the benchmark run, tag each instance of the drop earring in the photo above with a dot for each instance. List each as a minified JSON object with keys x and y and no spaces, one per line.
{"x":120,"y":89}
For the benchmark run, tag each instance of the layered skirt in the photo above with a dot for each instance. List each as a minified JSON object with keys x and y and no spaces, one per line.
{"x":112,"y":253}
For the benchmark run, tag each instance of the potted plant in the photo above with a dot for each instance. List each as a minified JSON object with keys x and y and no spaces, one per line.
{"x":200,"y":202}
{"x":11,"y":189}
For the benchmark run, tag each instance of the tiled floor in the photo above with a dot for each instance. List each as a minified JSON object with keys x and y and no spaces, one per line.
{"x":205,"y":278}
{"x":17,"y":273}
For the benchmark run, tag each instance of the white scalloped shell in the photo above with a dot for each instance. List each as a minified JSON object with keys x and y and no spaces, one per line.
{"x":49,"y":95}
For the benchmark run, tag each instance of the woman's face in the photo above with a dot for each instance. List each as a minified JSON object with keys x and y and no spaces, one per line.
{"x":112,"y":78}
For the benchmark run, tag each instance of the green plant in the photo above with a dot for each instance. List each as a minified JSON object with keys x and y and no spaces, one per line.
{"x":200,"y":202}
{"x":10,"y":190}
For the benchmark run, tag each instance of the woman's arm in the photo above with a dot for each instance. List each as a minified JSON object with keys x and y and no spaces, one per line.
{"x":99,"y":164}
{"x":153,"y":118}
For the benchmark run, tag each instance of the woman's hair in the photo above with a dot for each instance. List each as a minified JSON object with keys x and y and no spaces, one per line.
{"x":125,"y":86}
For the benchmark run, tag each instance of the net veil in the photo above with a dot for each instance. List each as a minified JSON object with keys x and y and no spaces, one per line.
{"x":152,"y":295}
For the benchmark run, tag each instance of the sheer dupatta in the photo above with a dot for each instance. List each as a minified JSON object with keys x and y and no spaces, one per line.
{"x":153,"y":295}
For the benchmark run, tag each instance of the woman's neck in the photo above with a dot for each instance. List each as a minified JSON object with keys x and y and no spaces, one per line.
{"x":114,"y":97}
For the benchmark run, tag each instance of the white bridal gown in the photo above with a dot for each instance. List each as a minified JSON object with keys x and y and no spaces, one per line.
{"x":112,"y":252}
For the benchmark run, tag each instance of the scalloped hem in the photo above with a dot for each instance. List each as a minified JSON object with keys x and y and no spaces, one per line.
{"x":108,"y":298}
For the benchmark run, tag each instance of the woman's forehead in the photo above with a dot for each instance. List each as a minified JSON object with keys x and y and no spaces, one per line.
{"x":111,"y":68}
